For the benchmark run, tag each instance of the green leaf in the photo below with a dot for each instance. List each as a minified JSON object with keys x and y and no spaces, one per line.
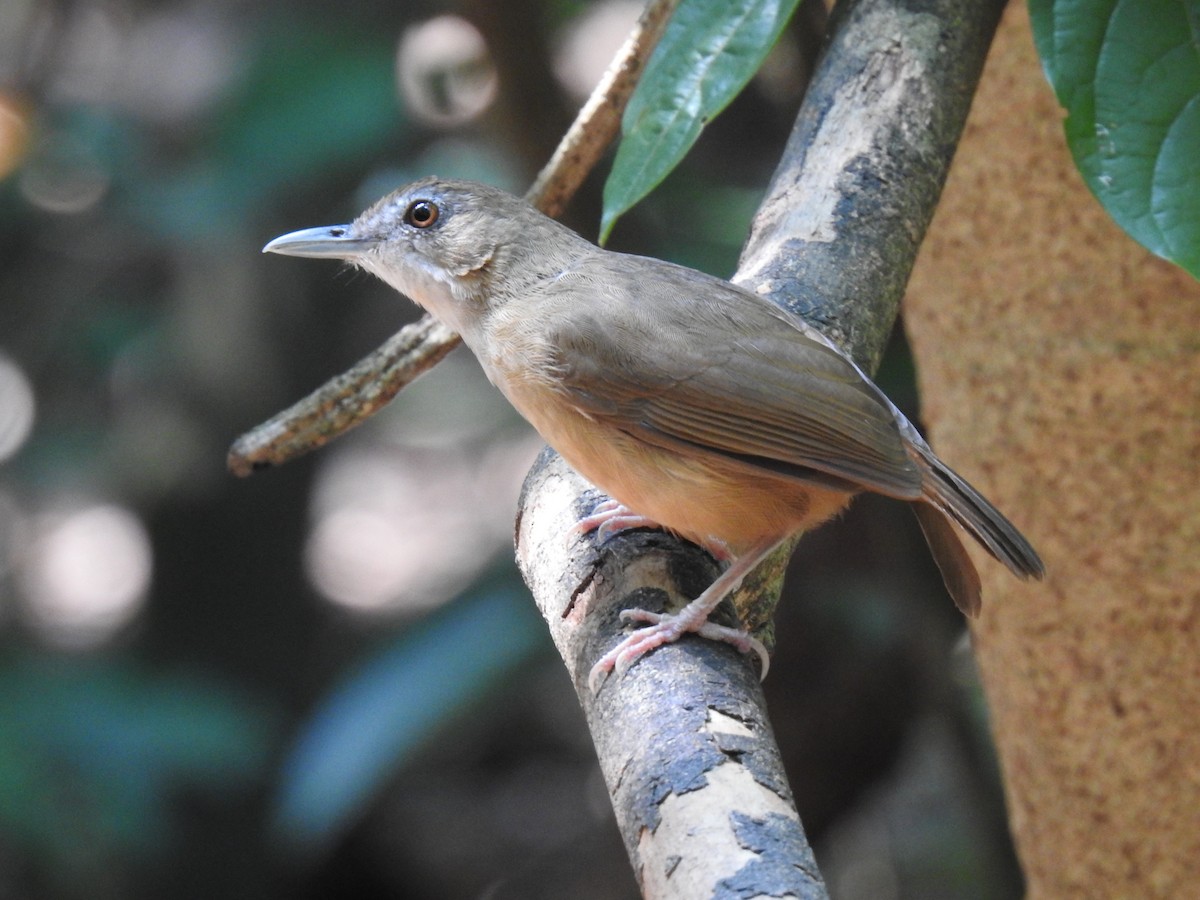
{"x":710,"y":50}
{"x":1041,"y":14}
{"x":1128,"y":74}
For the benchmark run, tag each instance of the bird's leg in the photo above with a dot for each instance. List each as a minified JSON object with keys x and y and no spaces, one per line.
{"x":666,"y":628}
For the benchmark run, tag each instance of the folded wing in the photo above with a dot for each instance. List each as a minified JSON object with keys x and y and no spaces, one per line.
{"x":770,"y":393}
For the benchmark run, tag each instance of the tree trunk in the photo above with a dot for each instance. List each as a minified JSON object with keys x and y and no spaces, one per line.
{"x":1060,"y":369}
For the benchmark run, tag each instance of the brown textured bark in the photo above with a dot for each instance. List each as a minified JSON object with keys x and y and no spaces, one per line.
{"x":1060,"y":370}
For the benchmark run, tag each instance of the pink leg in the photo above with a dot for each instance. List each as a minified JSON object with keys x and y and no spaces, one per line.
{"x":666,"y":628}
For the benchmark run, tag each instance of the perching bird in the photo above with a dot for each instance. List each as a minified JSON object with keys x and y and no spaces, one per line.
{"x":695,"y":404}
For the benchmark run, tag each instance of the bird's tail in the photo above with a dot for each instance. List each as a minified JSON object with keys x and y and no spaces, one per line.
{"x":946,"y":496}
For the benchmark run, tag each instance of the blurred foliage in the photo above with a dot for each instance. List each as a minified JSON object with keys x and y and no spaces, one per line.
{"x":92,"y":751}
{"x":377,"y":717}
{"x":230,"y":731}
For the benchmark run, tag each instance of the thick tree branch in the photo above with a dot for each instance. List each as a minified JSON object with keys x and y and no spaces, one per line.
{"x":683,"y":737}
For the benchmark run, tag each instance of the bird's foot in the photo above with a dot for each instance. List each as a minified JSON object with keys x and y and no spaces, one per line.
{"x":609,"y":518}
{"x":666,"y":628}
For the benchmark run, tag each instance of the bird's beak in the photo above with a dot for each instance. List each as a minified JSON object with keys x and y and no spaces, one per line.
{"x":326,"y":242}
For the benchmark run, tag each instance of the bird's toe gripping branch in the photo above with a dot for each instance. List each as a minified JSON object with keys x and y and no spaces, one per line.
{"x":666,"y":628}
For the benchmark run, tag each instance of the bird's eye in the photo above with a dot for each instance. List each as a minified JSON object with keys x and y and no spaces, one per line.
{"x":421,"y":213}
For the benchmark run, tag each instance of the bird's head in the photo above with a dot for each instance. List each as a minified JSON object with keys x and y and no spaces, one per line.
{"x":454,"y":247}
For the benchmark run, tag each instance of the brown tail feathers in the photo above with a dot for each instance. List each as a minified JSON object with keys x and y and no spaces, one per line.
{"x":946,"y":496}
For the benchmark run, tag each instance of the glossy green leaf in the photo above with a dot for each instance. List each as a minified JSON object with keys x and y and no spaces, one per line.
{"x":710,"y":50}
{"x":1128,"y":74}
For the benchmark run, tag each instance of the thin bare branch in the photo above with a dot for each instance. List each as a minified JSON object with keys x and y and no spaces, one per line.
{"x":345,"y":401}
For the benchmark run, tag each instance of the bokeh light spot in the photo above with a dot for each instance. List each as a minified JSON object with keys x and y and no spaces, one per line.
{"x":399,"y":531}
{"x":87,"y":574}
{"x":63,"y":176}
{"x":587,"y":45}
{"x":444,"y":72}
{"x":17,"y":407}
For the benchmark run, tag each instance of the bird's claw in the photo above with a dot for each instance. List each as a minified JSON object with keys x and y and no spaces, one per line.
{"x":666,"y":628}
{"x":610,"y":517}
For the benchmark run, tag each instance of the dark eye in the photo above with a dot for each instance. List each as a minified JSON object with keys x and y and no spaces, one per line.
{"x":421,"y":213}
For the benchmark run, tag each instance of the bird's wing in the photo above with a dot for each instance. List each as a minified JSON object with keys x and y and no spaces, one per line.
{"x":712,"y":367}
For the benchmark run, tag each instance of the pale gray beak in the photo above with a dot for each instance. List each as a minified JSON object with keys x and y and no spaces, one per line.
{"x":326,"y":242}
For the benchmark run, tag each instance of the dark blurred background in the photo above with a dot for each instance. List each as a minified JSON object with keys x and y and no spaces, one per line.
{"x":328,"y":680}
